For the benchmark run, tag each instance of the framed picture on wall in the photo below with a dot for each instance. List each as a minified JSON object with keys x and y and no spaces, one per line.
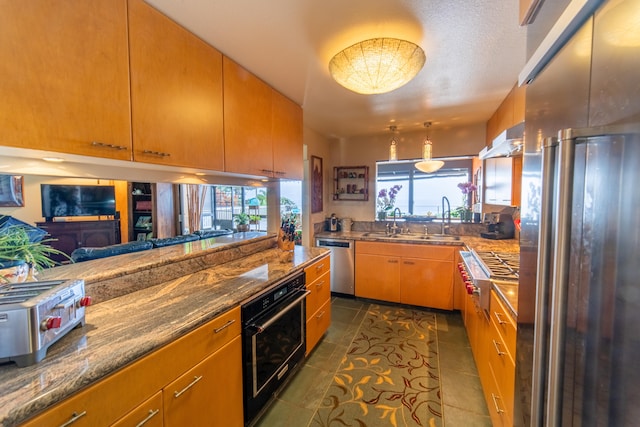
{"x":316,"y":184}
{"x":11,"y":191}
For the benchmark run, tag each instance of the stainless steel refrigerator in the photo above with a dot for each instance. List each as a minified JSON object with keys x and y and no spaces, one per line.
{"x":579,"y":301}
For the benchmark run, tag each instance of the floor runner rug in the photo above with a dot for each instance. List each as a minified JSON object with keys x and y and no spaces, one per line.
{"x":390,"y":374}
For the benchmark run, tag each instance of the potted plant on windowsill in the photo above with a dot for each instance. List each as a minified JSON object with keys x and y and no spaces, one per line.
{"x":21,"y":256}
{"x":242,"y":221}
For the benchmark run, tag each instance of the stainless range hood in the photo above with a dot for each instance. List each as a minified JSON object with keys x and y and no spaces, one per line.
{"x":508,"y":143}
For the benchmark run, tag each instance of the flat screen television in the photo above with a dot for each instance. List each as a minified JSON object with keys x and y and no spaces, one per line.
{"x":77,"y":200}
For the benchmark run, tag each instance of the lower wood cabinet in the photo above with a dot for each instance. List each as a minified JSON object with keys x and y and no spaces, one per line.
{"x":210,"y":393}
{"x":148,"y":414}
{"x":410,"y":274}
{"x":318,"y":303}
{"x":130,"y":395}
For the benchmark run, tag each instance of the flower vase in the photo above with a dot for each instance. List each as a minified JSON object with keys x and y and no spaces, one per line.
{"x":382,"y":215}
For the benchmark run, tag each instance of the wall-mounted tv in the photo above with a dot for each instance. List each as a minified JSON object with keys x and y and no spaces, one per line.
{"x":77,"y":200}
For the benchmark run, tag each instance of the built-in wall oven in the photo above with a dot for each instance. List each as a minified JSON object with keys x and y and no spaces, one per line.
{"x":273,"y":329}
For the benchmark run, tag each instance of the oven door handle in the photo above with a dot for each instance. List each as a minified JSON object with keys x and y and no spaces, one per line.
{"x":260,"y":328}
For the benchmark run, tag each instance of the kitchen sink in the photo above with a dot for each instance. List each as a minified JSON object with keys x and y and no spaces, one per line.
{"x":439,"y":237}
{"x":432,"y":237}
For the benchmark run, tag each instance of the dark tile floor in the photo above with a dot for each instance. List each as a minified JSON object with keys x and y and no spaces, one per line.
{"x":463,"y":401}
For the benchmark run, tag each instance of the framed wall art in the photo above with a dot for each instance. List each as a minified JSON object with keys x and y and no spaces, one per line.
{"x":316,"y":184}
{"x":11,"y":191}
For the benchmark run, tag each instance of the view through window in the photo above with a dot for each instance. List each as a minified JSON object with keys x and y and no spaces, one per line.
{"x":421,"y":193}
{"x":221,"y":205}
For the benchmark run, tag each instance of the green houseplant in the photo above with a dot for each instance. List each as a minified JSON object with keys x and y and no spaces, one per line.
{"x":242,"y":221}
{"x":20,"y":255}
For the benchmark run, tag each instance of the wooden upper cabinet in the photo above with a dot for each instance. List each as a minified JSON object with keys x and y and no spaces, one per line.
{"x":287,"y":138}
{"x":262,"y":128}
{"x":176,"y":93}
{"x":65,"y":79}
{"x":247,"y":122}
{"x":509,"y":113}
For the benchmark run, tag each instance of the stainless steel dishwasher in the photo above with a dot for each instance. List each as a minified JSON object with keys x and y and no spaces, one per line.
{"x":342,"y":263}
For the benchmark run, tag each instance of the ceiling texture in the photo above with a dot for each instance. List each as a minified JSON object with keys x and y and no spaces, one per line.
{"x":474,"y":49}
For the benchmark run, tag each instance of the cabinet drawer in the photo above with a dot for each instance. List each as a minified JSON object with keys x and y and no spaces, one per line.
{"x":499,"y":408}
{"x":503,"y":368}
{"x":433,"y":252}
{"x":317,"y":269}
{"x":148,"y":414}
{"x":320,"y":293}
{"x":317,"y":325}
{"x":504,"y":323}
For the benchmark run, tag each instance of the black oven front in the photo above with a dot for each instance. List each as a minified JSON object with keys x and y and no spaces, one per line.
{"x":273,"y":341}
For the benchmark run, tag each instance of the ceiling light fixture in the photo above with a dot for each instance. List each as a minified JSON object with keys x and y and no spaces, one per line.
{"x":427,"y":165}
{"x":53,"y":159}
{"x":393,"y":145}
{"x":377,"y":65}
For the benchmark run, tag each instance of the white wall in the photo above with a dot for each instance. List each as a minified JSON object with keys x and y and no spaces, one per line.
{"x":366,"y":150}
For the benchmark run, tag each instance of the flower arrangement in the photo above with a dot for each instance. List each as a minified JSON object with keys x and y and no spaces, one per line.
{"x":387,"y":200}
{"x":467,"y":189}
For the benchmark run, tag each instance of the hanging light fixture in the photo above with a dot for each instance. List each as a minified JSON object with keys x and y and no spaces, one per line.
{"x":427,"y":165}
{"x":393,"y":145}
{"x":377,"y":65}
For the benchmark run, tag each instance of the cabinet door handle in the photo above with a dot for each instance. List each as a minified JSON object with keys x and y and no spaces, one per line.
{"x":319,"y":284}
{"x":156,"y":153}
{"x":225,"y":326}
{"x":105,"y":145}
{"x":393,"y":261}
{"x":191,"y":384}
{"x":319,"y":316}
{"x":74,"y":417}
{"x":266,"y":170}
{"x":280,"y":173}
{"x":409,"y":262}
{"x":498,"y":316}
{"x":319,"y":267}
{"x":496,"y":344}
{"x":495,"y":403}
{"x":152,"y":413}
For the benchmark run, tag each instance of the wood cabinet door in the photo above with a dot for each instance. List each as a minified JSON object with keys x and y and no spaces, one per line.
{"x":65,"y":77}
{"x":378,"y":277}
{"x":286,"y":138}
{"x":208,"y":394}
{"x":148,"y":414}
{"x":427,"y":283}
{"x":176,"y":93}
{"x":247,"y":122}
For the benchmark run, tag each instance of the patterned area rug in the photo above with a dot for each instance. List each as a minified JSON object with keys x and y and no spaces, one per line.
{"x":390,"y":374}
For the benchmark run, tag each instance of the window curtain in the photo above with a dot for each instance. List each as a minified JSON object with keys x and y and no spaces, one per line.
{"x":195,"y":204}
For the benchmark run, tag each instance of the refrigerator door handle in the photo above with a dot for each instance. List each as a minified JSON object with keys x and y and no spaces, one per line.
{"x":549,"y":153}
{"x":561,"y":245}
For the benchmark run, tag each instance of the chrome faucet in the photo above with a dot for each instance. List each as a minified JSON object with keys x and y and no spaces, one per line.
{"x":395,"y":227}
{"x":444,"y":198}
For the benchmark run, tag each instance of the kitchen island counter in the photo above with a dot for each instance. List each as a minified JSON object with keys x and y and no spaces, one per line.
{"x":121,"y":330}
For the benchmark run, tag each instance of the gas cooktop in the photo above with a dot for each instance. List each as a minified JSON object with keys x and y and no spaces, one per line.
{"x":501,"y":266}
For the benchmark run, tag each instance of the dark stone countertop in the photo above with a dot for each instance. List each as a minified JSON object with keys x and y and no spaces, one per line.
{"x":122,"y":329}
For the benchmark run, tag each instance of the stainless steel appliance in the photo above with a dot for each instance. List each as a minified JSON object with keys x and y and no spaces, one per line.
{"x":273,"y":335}
{"x":578,"y":337}
{"x":501,"y":226}
{"x":342,"y":264}
{"x":332,"y":223}
{"x":480,"y":269}
{"x":34,"y":315}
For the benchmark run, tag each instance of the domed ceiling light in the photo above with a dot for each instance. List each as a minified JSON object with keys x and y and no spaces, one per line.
{"x":427,"y":165}
{"x":377,"y":65}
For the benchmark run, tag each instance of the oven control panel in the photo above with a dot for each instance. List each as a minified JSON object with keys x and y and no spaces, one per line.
{"x":272,"y":297}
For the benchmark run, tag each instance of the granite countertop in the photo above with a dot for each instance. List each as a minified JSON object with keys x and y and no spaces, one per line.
{"x":123,"y":329}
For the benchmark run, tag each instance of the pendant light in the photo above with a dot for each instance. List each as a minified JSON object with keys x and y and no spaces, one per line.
{"x":393,"y":145}
{"x":427,"y":165}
